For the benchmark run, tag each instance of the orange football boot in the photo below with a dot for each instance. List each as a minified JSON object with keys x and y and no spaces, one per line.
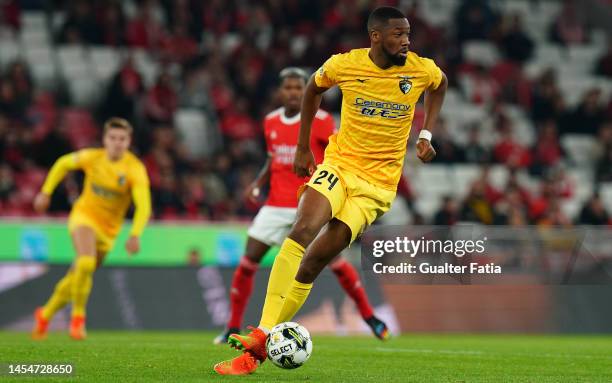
{"x":39,"y":332}
{"x":253,"y":342}
{"x":77,"y":328}
{"x":241,"y":365}
{"x":253,"y":345}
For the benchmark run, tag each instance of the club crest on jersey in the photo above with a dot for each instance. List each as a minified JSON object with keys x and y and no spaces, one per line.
{"x":405,"y":84}
{"x":121,"y":180}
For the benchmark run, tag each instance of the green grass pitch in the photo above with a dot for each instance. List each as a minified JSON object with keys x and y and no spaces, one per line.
{"x":189,"y":356}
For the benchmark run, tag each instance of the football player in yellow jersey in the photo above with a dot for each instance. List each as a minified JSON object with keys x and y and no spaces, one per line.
{"x":357,"y":180}
{"x":113,"y":178}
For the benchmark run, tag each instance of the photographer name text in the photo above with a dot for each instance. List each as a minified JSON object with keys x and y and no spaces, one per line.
{"x":445,"y":268}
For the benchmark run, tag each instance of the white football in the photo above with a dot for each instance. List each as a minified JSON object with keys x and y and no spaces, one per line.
{"x":289,"y":345}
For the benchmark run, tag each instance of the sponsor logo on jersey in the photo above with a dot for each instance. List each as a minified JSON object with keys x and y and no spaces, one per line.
{"x":104,"y":192}
{"x":385,"y":109}
{"x":284,"y":154}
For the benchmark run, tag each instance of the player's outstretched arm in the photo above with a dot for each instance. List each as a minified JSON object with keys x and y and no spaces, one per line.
{"x":58,"y":171}
{"x":304,"y":163}
{"x":433,"y":103}
{"x":254,"y":189}
{"x":141,"y":195}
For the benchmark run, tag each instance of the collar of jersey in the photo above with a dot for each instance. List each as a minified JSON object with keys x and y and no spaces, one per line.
{"x":289,"y":120}
{"x":373,"y":64}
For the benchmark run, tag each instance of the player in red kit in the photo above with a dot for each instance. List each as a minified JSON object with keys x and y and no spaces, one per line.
{"x":274,"y":220}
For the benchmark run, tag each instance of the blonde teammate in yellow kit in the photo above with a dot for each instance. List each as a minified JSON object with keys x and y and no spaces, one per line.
{"x":114,"y":177}
{"x":363,"y":162}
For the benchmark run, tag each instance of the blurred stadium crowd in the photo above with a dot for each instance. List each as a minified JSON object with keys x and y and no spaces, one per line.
{"x":526,"y":133}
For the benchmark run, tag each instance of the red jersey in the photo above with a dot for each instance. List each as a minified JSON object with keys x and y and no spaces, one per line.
{"x":281,"y":134}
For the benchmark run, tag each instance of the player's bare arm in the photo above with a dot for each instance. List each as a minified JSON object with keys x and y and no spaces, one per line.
{"x":253,"y":191}
{"x":41,"y":202}
{"x":433,"y":103}
{"x":132,"y":245}
{"x":304,"y":163}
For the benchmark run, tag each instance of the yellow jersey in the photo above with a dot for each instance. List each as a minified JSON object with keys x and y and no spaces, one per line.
{"x":377,"y":112}
{"x":108,"y":188}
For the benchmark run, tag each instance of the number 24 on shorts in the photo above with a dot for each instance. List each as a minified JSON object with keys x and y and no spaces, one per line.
{"x":331,"y":178}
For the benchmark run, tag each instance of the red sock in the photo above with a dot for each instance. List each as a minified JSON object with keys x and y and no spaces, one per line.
{"x":242,"y":286}
{"x":349,"y":279}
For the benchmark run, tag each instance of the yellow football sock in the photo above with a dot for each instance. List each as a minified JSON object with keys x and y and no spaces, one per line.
{"x":296,"y":296}
{"x":82,"y":280}
{"x":283,"y":272}
{"x":60,"y":297}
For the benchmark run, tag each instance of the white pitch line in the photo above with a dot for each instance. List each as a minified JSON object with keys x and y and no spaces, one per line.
{"x":426,"y":351}
{"x":468,"y":352}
